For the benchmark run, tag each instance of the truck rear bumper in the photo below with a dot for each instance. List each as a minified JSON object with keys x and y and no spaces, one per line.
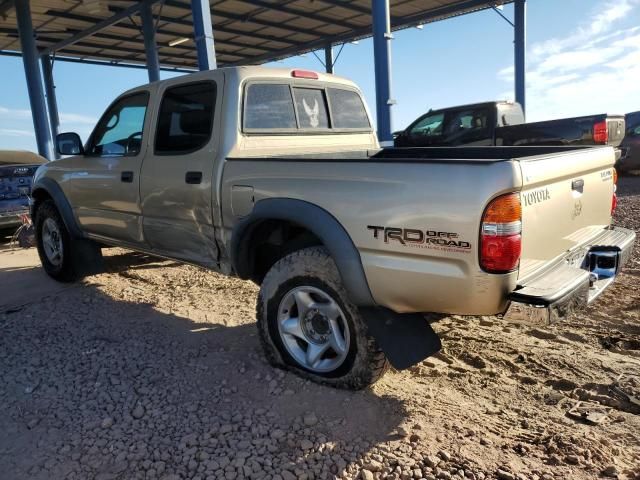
{"x":574,"y":282}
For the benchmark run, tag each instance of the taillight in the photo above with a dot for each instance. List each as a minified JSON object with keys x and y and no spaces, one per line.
{"x":601,"y":132}
{"x":614,"y":198}
{"x":501,"y":234}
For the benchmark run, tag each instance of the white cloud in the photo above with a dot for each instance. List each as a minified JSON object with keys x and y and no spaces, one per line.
{"x":76,"y":118}
{"x":14,"y":113}
{"x":594,"y":69}
{"x":15,"y":132}
{"x":65,"y":118}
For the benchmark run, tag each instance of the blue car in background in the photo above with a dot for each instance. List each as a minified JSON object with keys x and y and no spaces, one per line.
{"x":16,"y":173}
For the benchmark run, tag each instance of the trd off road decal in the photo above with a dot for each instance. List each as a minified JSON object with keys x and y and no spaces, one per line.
{"x":411,"y":237}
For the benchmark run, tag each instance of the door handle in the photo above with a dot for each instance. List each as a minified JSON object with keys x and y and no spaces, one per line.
{"x":193,"y":178}
{"x":578,"y":185}
{"x":126,"y":177}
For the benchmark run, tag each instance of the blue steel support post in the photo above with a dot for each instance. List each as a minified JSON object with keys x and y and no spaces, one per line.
{"x":34,"y":79}
{"x":520,"y":43}
{"x":328,"y":58}
{"x":382,"y":61}
{"x":203,"y":32}
{"x":150,"y":47}
{"x":50,"y":91}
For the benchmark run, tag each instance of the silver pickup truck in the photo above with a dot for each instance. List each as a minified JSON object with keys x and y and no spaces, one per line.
{"x":275,"y":175}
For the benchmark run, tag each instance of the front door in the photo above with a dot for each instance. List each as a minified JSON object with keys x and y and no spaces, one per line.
{"x":104,"y":187}
{"x":177,"y":181}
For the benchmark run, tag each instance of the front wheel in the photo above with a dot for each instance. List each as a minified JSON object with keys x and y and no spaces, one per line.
{"x":308,"y":324}
{"x":63,"y":258}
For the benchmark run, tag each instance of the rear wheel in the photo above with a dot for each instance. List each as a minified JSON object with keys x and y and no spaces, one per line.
{"x":307,"y":323}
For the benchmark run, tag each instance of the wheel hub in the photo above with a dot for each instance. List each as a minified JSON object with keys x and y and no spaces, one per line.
{"x":52,"y":242}
{"x":316,"y":326}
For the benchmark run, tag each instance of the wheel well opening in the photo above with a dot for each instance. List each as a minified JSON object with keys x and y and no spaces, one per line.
{"x":38,"y":196}
{"x":272,"y":240}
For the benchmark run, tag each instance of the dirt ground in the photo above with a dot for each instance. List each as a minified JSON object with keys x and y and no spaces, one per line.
{"x":154,"y":370}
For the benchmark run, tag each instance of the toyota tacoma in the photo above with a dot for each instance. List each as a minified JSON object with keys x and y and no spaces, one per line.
{"x":276,"y":175}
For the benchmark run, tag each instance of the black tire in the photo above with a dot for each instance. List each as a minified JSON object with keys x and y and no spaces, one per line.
{"x":364,"y":363}
{"x":80,"y":257}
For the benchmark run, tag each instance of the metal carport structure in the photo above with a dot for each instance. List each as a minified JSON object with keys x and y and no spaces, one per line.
{"x":179,"y":35}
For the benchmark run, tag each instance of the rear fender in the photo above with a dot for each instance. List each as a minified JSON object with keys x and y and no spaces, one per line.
{"x":318,"y":221}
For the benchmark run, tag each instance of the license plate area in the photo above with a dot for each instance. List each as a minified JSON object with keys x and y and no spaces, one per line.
{"x":603,"y":263}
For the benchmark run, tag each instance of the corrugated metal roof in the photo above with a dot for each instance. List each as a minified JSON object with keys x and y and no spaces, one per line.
{"x":246,"y":31}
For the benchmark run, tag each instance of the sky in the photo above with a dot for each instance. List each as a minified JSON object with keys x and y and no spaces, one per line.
{"x":583,"y":57}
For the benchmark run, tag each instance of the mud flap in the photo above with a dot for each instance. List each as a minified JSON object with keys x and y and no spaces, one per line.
{"x":405,"y":338}
{"x":87,"y":257}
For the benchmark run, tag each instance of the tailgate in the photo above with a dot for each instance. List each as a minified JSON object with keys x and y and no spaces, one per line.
{"x":615,"y":130}
{"x":566,"y":201}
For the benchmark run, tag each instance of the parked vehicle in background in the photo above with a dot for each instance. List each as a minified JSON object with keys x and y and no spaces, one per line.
{"x":16,"y":173}
{"x":275,"y":175}
{"x":503,"y":124}
{"x":630,"y":146}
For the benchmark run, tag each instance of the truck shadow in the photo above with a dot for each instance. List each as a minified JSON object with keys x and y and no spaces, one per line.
{"x":100,"y":386}
{"x":117,"y":260}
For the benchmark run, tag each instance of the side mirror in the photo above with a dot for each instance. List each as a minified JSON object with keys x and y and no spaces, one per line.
{"x":69,"y":144}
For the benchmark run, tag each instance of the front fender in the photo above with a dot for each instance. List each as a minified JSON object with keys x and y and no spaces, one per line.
{"x":318,"y":221}
{"x":53,"y":190}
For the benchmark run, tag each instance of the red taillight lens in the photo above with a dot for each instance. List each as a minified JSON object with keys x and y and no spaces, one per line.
{"x":500,"y":236}
{"x":304,"y":74}
{"x":601,"y":132}
{"x":501,"y":254}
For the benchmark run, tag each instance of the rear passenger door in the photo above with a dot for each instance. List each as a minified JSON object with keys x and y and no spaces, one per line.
{"x":177,"y":182}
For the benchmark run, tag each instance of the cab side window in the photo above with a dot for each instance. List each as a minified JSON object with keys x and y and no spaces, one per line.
{"x":119,"y":131}
{"x":185,"y":119}
{"x":428,"y":126}
{"x":464,"y":126}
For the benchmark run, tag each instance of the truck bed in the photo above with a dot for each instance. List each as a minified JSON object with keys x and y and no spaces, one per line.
{"x":488,"y":154}
{"x":564,"y":131}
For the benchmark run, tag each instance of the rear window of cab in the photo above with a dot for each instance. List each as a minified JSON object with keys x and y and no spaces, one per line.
{"x":286,"y":108}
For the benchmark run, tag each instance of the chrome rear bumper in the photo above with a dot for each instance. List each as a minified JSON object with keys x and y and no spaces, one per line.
{"x":574,"y":281}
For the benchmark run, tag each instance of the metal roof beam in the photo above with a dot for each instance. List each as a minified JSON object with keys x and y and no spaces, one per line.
{"x":11,"y":53}
{"x":133,"y":55}
{"x":353,"y":7}
{"x":73,"y":16}
{"x":396,"y":24}
{"x":223,"y":29}
{"x":348,"y":6}
{"x":5,"y":6}
{"x":460,"y":8}
{"x":302,"y":13}
{"x":98,"y":26}
{"x":233,"y":17}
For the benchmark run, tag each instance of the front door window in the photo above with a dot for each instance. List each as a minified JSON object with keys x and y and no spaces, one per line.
{"x":119,"y":131}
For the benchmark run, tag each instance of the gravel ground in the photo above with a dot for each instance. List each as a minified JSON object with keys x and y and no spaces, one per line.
{"x":154,"y":370}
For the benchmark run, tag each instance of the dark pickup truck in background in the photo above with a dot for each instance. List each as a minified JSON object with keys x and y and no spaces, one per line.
{"x":630,"y":146}
{"x":503,"y":123}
